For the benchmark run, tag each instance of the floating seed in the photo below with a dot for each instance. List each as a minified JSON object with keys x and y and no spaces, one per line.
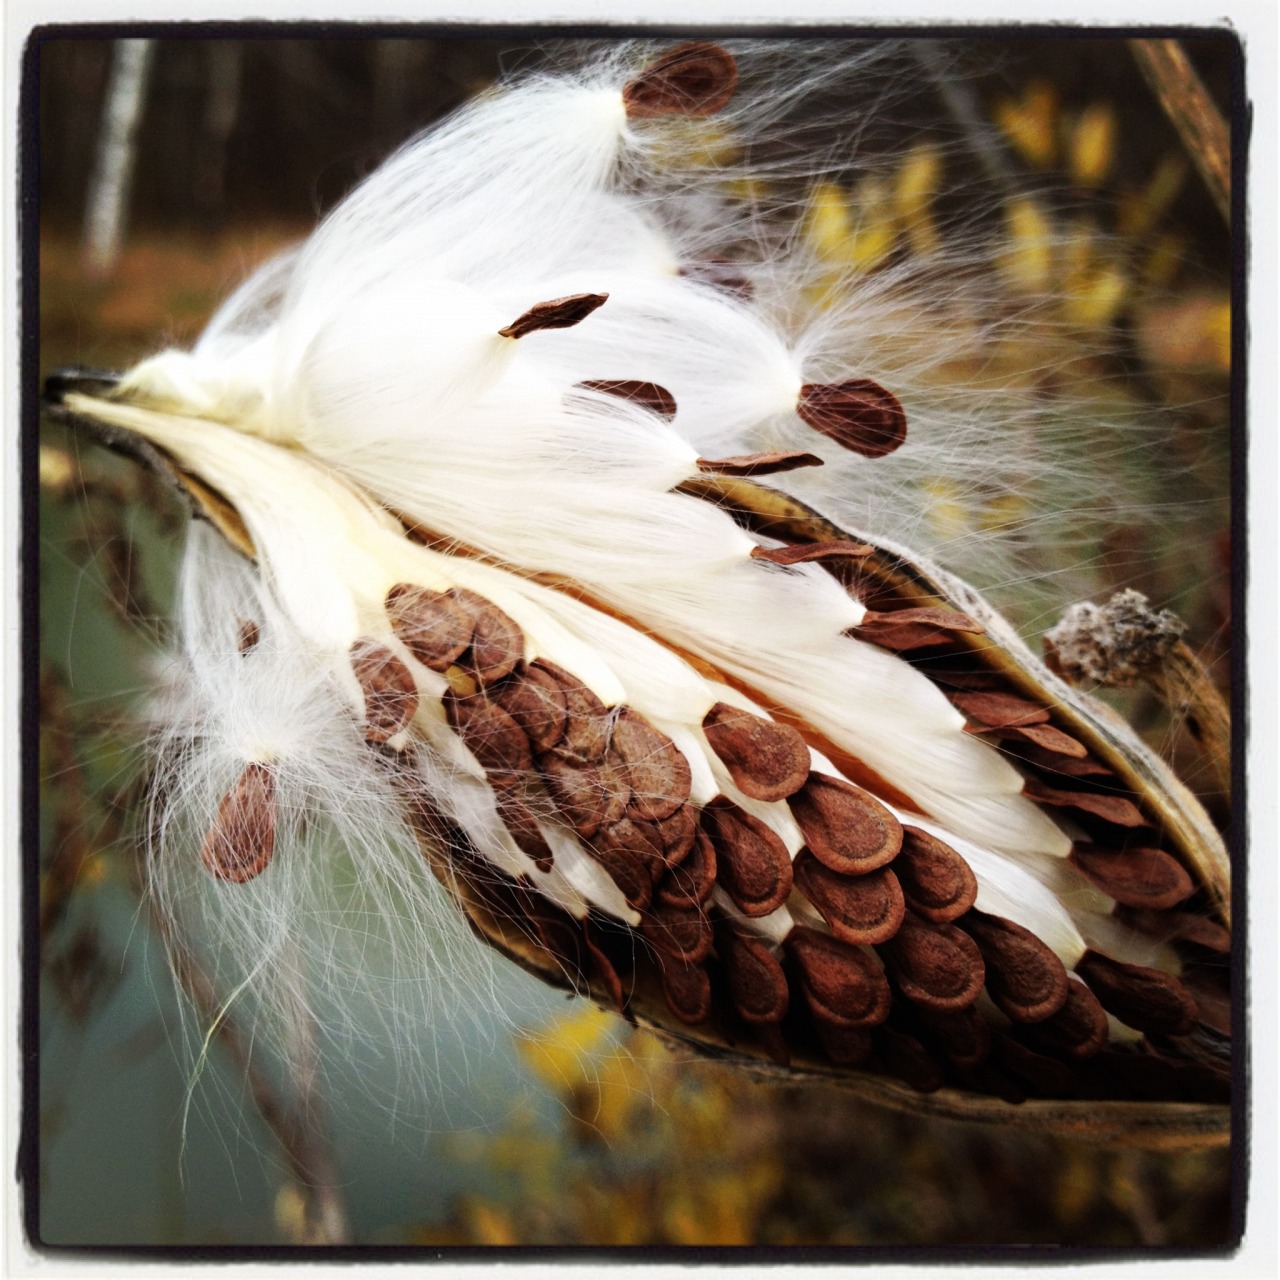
{"x":906,"y":629}
{"x":535,"y":701}
{"x":1142,"y":998}
{"x":588,"y":723}
{"x":752,"y":863}
{"x":859,"y":415}
{"x":557,"y":313}
{"x":847,"y":828}
{"x":690,"y":883}
{"x":865,"y":909}
{"x":696,"y":79}
{"x":1000,"y":710}
{"x":433,"y":627}
{"x":758,"y":464}
{"x":589,"y":796}
{"x":242,"y":838}
{"x":905,"y":1058}
{"x":766,"y":760}
{"x":653,"y":397}
{"x":492,"y":736}
{"x":1025,"y":978}
{"x":842,"y":984}
{"x":497,"y":644}
{"x":681,"y":931}
{"x":522,"y":823}
{"x":250,"y":634}
{"x":936,"y":965}
{"x":390,"y":692}
{"x":757,"y":984}
{"x":937,"y":882}
{"x":809,"y":552}
{"x":1147,"y":878}
{"x":687,"y":987}
{"x":1112,"y":808}
{"x":655,"y":768}
{"x":1079,"y":1028}
{"x":963,"y":1034}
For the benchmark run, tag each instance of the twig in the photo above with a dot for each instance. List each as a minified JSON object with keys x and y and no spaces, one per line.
{"x":1187,"y":104}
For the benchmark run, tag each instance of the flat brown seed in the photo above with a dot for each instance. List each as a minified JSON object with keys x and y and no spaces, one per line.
{"x":497,"y":644}
{"x":1145,"y":999}
{"x":1000,"y":710}
{"x":678,"y":833}
{"x":679,"y":931}
{"x":809,"y":552}
{"x":963,"y":1035}
{"x":1184,"y":926}
{"x":845,"y":1046}
{"x":935,"y":965}
{"x":535,"y":701}
{"x":847,"y":828}
{"x":242,"y":838}
{"x":696,"y":79}
{"x":522,"y":823}
{"x":691,"y":881}
{"x":491,"y":735}
{"x":603,"y":971}
{"x":557,"y":313}
{"x":627,"y":869}
{"x":687,"y":987}
{"x":1044,"y":1076}
{"x":858,"y":414}
{"x":1024,"y":977}
{"x":766,"y":760}
{"x":863,"y":909}
{"x":390,"y":691}
{"x":905,"y":1058}
{"x":649,"y":394}
{"x":250,"y":634}
{"x":1112,"y":808}
{"x":1079,"y":1028}
{"x":937,"y":882}
{"x":842,"y":984}
{"x":903,"y":630}
{"x":1048,"y":738}
{"x":1054,"y":761}
{"x":639,"y":840}
{"x":430,"y":623}
{"x":655,"y":768}
{"x":752,"y":863}
{"x":757,"y":984}
{"x":589,"y":796}
{"x":758,"y":464}
{"x":588,"y":722}
{"x":1147,"y":878}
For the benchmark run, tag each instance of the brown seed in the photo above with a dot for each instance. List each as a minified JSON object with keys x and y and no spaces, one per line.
{"x":678,"y":833}
{"x":1053,"y":761}
{"x":690,"y":883}
{"x":936,"y":965}
{"x":857,"y":414}
{"x":845,"y":1046}
{"x":1112,"y":808}
{"x":1048,"y":738}
{"x":639,"y":840}
{"x":864,"y":909}
{"x":497,"y":644}
{"x":758,"y":464}
{"x":556,"y":931}
{"x":679,"y":931}
{"x":522,"y":823}
{"x":809,"y":552}
{"x":1182,"y":926}
{"x":653,"y":397}
{"x":242,"y":838}
{"x":696,"y":79}
{"x":1000,"y":710}
{"x":1024,"y":977}
{"x":937,"y":882}
{"x":603,"y":970}
{"x":1044,"y":1076}
{"x":588,"y":722}
{"x":250,"y":634}
{"x":752,"y":863}
{"x":1135,"y":877}
{"x":492,"y":736}
{"x":655,"y":768}
{"x":1145,"y":999}
{"x":535,"y":701}
{"x":390,"y":692}
{"x":906,"y":629}
{"x":557,"y":313}
{"x":963,"y":1034}
{"x":588,"y":795}
{"x":1079,"y":1028}
{"x":769,"y":1036}
{"x":430,"y":623}
{"x":766,"y":760}
{"x":687,"y":987}
{"x":847,"y":828}
{"x":905,"y":1058}
{"x":842,"y":984}
{"x":627,"y":869}
{"x":757,"y":984}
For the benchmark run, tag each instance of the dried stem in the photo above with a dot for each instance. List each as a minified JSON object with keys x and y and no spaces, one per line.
{"x":1187,"y":104}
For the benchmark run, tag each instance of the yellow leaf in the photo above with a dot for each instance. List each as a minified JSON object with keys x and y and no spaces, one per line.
{"x":1027,"y":261}
{"x":1092,"y":146}
{"x":1031,"y":123}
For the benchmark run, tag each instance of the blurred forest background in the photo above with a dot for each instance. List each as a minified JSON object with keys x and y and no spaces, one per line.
{"x":585,"y":1132}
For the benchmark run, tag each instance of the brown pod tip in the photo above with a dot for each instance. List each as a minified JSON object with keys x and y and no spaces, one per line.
{"x":858,"y":414}
{"x":695,"y":79}
{"x":758,"y":464}
{"x":390,"y":692}
{"x":556,"y":313}
{"x":766,"y":760}
{"x":242,"y":838}
{"x":648,"y":394}
{"x":809,"y":552}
